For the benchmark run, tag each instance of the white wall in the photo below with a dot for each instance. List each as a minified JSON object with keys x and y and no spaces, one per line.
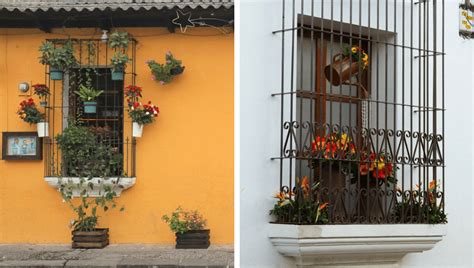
{"x":260,"y":53}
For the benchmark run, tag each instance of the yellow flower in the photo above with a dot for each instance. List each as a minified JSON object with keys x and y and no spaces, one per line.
{"x":354,"y":49}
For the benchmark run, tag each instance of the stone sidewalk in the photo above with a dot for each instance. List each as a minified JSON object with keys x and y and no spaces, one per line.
{"x":118,"y":255}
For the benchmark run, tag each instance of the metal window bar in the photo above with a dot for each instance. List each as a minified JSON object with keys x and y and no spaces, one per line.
{"x":108,"y":123}
{"x":369,"y":141}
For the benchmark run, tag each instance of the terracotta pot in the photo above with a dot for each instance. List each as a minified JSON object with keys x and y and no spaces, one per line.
{"x":333,"y":183}
{"x":341,"y":69}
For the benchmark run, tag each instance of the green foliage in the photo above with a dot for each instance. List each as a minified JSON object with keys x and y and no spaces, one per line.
{"x":29,"y":113}
{"x":181,"y":221}
{"x":83,"y":155}
{"x":419,"y":210}
{"x":87,"y":208}
{"x":88,"y":93}
{"x":119,"y":61}
{"x":119,"y":40}
{"x":300,"y":206}
{"x":60,"y":57}
{"x":139,"y":116}
{"x":164,"y":73}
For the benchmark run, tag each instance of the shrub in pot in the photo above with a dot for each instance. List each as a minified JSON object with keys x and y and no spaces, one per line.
{"x":189,"y":228}
{"x":30,"y":114}
{"x":85,"y":233}
{"x":42,"y":91}
{"x":119,"y":41}
{"x":88,"y":95}
{"x":164,"y":73}
{"x":83,"y":155}
{"x":59,"y":58}
{"x":141,"y":114}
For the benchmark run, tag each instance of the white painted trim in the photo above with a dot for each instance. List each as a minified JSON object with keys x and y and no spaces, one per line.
{"x":120,"y":183}
{"x":381,"y":245}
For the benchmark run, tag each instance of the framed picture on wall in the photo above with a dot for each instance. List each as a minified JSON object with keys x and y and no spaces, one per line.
{"x":21,"y":146}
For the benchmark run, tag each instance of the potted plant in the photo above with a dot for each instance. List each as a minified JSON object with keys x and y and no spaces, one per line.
{"x":140,"y":114}
{"x":42,"y":91}
{"x":164,"y":73}
{"x":119,"y":41}
{"x":119,"y":63}
{"x":30,"y":114}
{"x":59,"y":58}
{"x":301,"y":204}
{"x":188,"y":227}
{"x":85,"y":233}
{"x":88,"y":95}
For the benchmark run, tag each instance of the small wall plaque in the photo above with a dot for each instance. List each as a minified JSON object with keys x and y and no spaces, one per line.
{"x":21,"y":146}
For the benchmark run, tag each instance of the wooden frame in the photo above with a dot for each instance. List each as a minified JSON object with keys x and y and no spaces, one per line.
{"x":320,"y":94}
{"x":24,"y":153}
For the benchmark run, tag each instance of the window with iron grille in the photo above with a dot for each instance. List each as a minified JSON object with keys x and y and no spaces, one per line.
{"x":107,"y":121}
{"x":362,"y":112}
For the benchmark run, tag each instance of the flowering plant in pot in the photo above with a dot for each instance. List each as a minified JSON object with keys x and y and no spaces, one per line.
{"x":59,"y":58}
{"x":88,"y":95}
{"x":164,"y":73}
{"x":119,"y":41}
{"x":141,"y":114}
{"x":189,"y":228}
{"x":42,"y":91}
{"x":300,"y":205}
{"x":30,"y":114}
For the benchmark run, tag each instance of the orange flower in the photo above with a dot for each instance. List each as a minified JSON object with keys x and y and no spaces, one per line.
{"x":280,"y":195}
{"x":305,"y":184}
{"x":323,"y":206}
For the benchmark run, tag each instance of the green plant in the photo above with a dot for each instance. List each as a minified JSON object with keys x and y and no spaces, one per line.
{"x":164,"y":73}
{"x":84,"y":155}
{"x":88,"y":93}
{"x":300,"y":206}
{"x":119,"y":61}
{"x":29,"y":113}
{"x":421,"y":206}
{"x":119,"y":40}
{"x":181,"y":221}
{"x":60,"y":57}
{"x":87,"y":208}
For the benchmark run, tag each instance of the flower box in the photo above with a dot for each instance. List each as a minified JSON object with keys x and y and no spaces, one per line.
{"x":193,"y":239}
{"x":99,"y":238}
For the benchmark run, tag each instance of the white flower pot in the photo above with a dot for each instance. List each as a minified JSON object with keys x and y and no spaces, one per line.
{"x":137,"y":130}
{"x":43,"y":129}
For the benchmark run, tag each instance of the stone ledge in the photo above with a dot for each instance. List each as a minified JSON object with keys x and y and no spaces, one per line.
{"x":119,"y":184}
{"x":353,"y":245}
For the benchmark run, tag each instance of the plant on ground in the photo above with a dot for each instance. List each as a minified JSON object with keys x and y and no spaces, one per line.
{"x":181,"y":221}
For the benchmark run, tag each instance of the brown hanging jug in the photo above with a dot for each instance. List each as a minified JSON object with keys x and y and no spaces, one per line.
{"x":341,"y":69}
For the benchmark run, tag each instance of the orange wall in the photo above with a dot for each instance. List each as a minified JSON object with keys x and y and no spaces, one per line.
{"x":184,"y":158}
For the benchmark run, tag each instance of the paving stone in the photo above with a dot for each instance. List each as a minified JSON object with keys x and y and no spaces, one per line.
{"x":33,"y":263}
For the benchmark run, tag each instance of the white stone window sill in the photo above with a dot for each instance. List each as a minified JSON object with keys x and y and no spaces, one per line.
{"x":375,"y":245}
{"x":118,"y":184}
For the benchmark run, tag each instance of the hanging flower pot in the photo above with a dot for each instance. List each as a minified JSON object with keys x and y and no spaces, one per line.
{"x":55,"y":73}
{"x":90,"y":107}
{"x":346,"y":65}
{"x":43,"y":129}
{"x":137,"y":130}
{"x":117,"y":75}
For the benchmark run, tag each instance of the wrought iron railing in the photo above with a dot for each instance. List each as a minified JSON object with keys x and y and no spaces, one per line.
{"x":109,"y":123}
{"x":362,"y":112}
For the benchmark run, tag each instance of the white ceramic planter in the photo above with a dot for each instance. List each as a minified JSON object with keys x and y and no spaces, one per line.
{"x":43,"y":129}
{"x":137,"y":130}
